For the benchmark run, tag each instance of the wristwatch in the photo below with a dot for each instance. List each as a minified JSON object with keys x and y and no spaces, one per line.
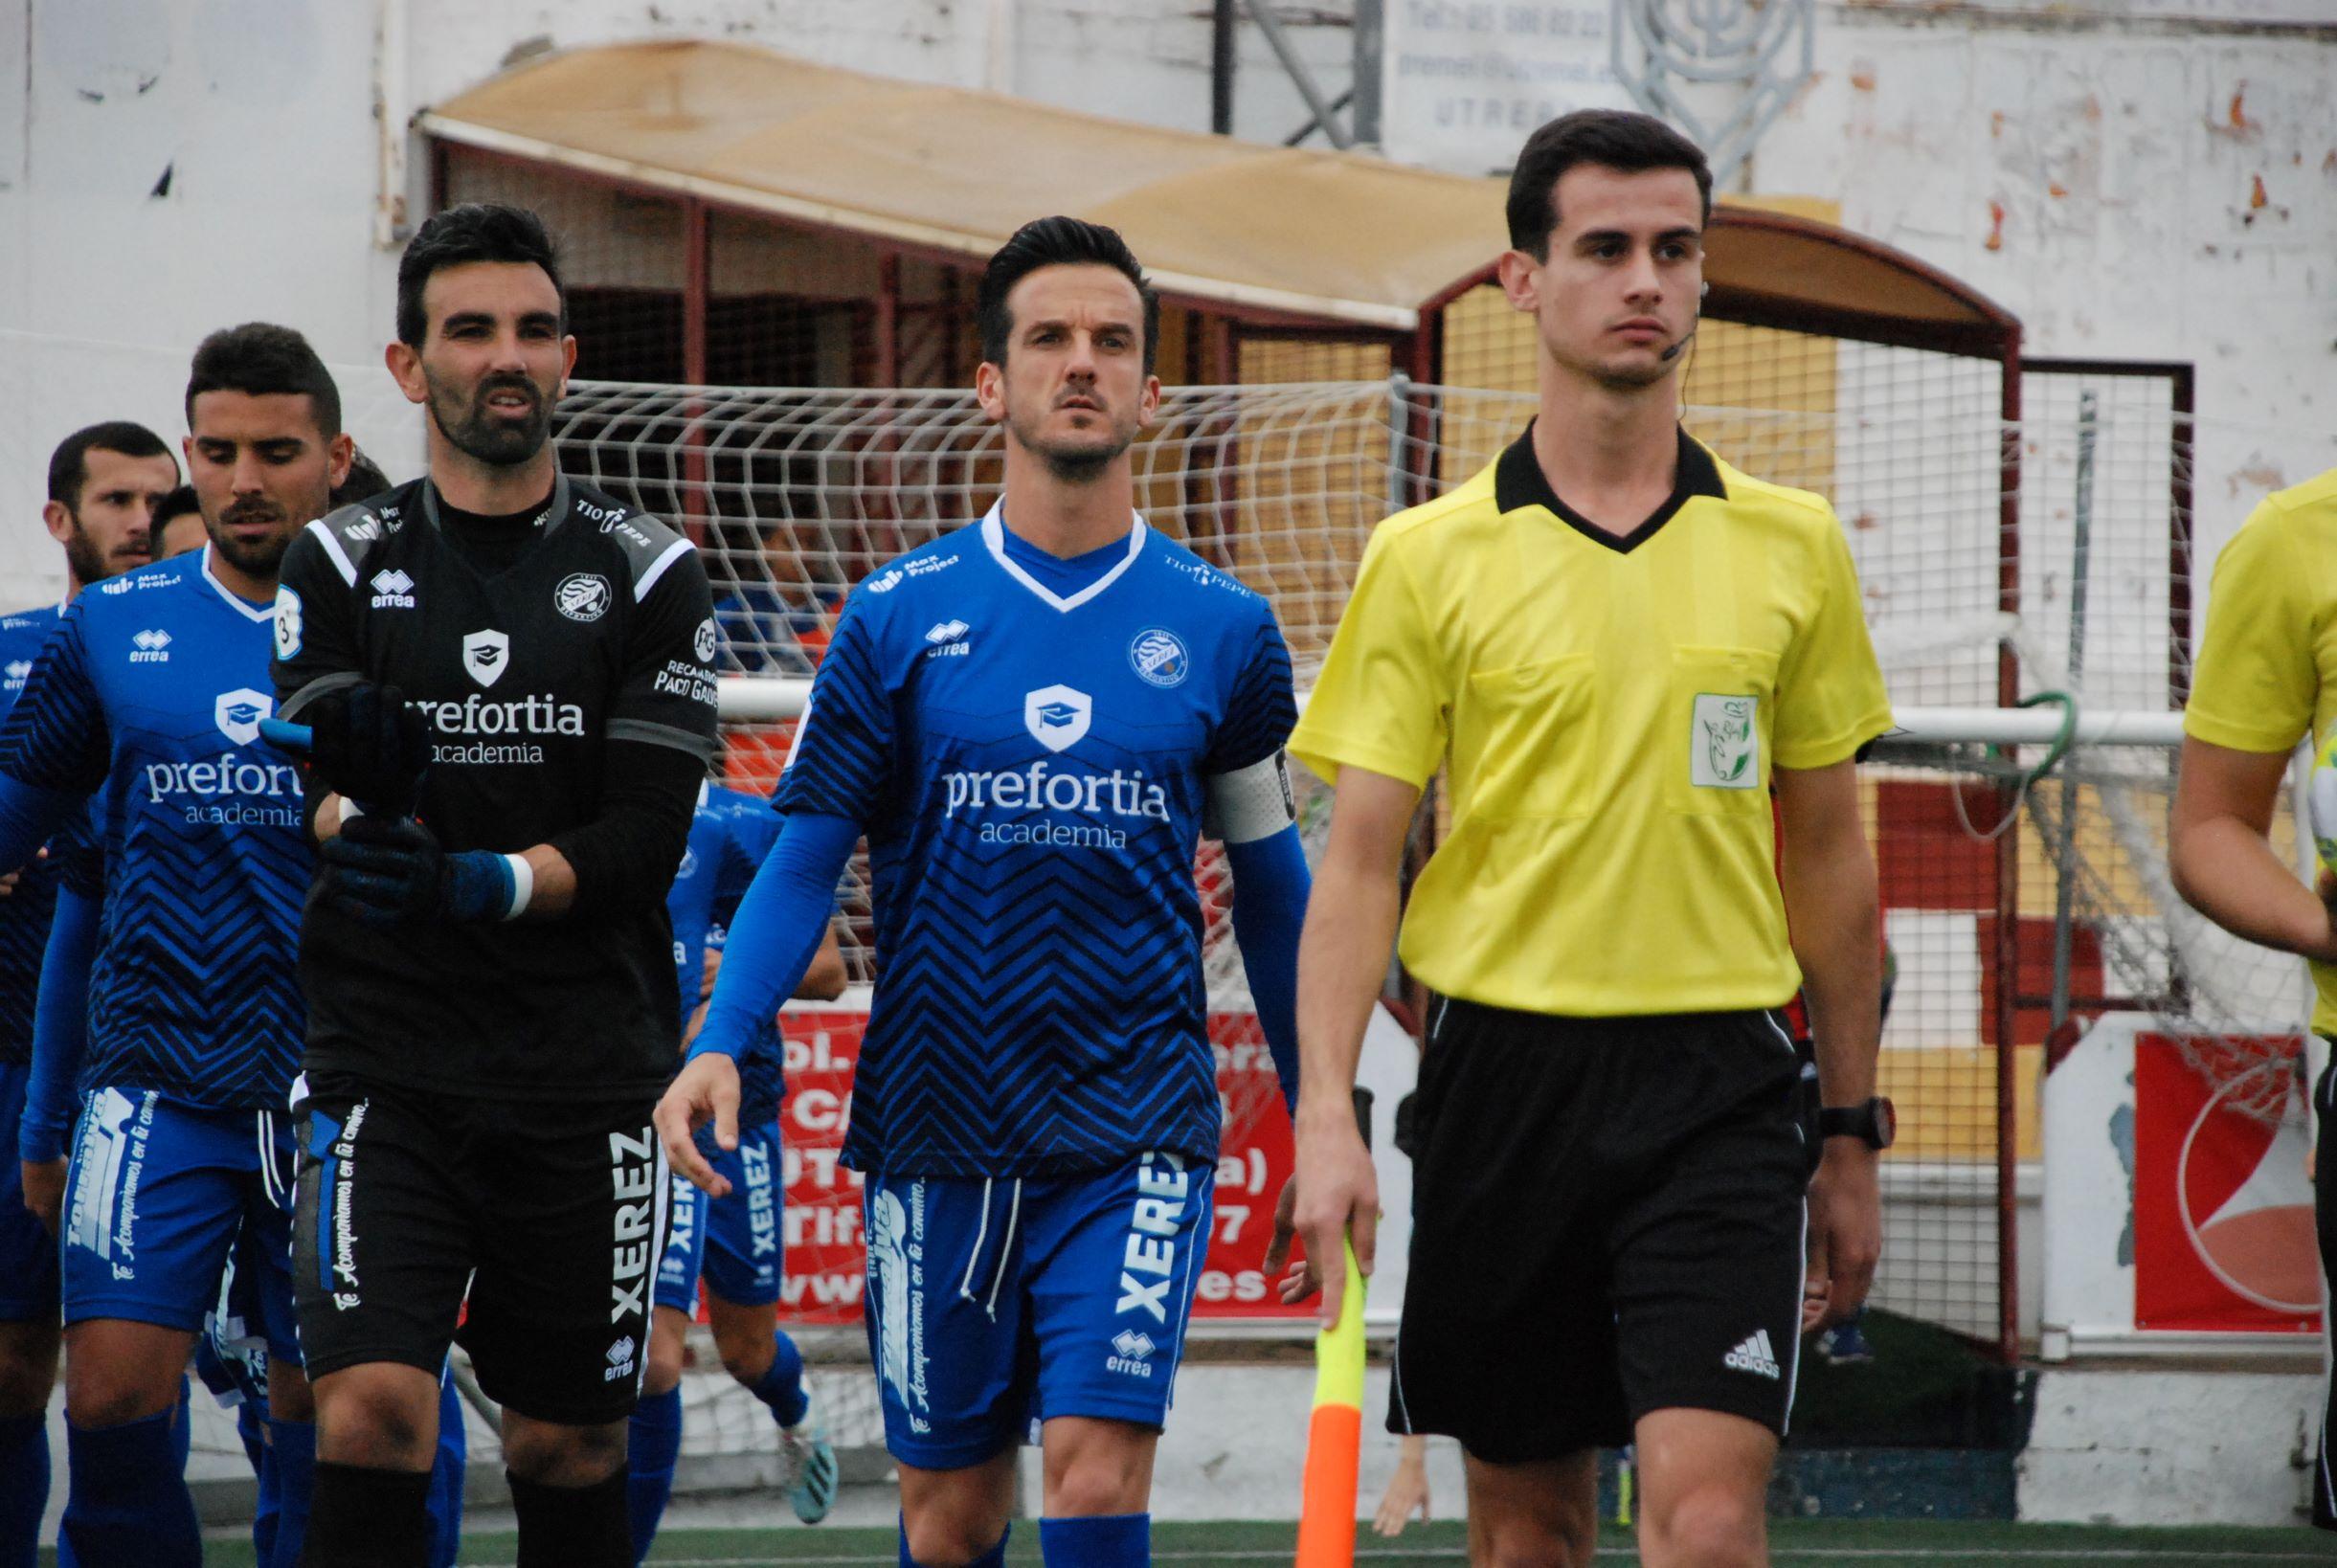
{"x":1875,"y":1123}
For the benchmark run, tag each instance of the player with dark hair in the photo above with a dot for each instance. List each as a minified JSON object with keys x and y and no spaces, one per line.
{"x":1615,"y":646}
{"x":102,"y":481}
{"x":734,"y":1245}
{"x":148,"y":699}
{"x":1031,"y":718}
{"x":180,"y":507}
{"x":505,"y":681}
{"x":365,"y":481}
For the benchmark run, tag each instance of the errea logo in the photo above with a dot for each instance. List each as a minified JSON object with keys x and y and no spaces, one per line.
{"x":19,"y":671}
{"x":393,"y":589}
{"x":620,"y":1359}
{"x":1131,"y":1344}
{"x":949,"y":641}
{"x":151,"y":647}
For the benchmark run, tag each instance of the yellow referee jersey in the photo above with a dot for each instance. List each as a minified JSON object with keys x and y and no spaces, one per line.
{"x":2266,"y":674}
{"x":1609,"y":708}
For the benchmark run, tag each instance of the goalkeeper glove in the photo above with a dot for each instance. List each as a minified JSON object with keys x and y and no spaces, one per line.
{"x":364,"y":742}
{"x":385,"y":870}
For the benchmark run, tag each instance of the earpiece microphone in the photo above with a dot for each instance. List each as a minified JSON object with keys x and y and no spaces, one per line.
{"x":1668,"y":355}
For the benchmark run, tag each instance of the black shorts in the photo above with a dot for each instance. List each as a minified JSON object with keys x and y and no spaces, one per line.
{"x":1608,"y":1219}
{"x":551,"y":1218}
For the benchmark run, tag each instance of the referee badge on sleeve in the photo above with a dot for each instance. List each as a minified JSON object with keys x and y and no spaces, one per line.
{"x":1724,"y":746}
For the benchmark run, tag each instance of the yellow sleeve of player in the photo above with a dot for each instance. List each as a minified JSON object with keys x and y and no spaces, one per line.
{"x":2256,"y":677}
{"x":1830,"y":699}
{"x":1380,"y":702}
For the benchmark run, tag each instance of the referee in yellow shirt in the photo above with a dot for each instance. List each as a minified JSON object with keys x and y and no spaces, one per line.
{"x":1617,"y":646}
{"x":2265,"y":678}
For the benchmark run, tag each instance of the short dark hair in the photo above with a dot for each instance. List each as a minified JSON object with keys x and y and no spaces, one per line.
{"x":1055,"y":242}
{"x":69,"y":463}
{"x":177,"y":504}
{"x":1622,"y":139}
{"x":260,"y":359}
{"x":480,"y":231}
{"x":365,"y":481}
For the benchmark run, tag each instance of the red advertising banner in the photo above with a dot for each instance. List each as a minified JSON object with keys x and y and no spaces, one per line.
{"x":2223,"y":1209}
{"x":826,"y":1259}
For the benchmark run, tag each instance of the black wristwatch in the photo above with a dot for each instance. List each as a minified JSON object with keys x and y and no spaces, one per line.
{"x":1876,"y":1123}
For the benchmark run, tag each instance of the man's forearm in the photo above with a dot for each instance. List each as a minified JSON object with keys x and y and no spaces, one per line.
{"x":1833,"y":907}
{"x":1342,"y":964}
{"x":2229,"y":873}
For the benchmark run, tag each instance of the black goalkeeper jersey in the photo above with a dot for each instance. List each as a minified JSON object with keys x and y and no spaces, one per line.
{"x":602,"y":629}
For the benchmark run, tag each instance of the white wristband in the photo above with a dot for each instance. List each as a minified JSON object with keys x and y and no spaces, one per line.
{"x":523,"y":885}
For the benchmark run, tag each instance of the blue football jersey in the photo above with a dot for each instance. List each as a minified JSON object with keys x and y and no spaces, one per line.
{"x":24,"y":913}
{"x":730,"y":832}
{"x":148,"y":698}
{"x":1029,"y":768}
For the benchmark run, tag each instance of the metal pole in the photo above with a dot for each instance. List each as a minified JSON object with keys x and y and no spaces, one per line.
{"x":1221,"y":58}
{"x":1299,"y":74}
{"x":1398,"y":422}
{"x":1370,"y":48}
{"x":2065,"y":852}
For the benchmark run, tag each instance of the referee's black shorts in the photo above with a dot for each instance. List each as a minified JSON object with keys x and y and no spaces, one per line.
{"x":1608,"y":1219}
{"x":549,"y":1218}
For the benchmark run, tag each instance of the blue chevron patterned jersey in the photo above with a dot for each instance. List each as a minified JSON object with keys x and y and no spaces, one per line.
{"x":1029,"y":767}
{"x":24,"y":913}
{"x":148,"y":699}
{"x":730,"y":833}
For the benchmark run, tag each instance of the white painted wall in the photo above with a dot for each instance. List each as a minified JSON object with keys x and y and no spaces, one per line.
{"x":263,"y":113}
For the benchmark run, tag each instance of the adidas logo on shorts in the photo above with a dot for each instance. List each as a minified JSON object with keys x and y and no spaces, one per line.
{"x":1755,"y":1356}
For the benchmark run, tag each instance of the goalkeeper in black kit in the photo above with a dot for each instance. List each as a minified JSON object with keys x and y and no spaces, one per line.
{"x":502,"y":679}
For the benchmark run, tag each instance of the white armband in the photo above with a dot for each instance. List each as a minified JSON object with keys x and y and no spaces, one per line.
{"x":1251,"y":803}
{"x":523,"y":885}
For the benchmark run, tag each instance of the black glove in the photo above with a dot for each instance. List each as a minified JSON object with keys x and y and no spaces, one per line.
{"x":385,"y":870}
{"x":366,"y":744}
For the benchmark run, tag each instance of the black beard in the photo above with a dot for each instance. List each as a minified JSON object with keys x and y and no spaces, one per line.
{"x":259,"y":560}
{"x":1082,"y":467}
{"x":81,"y":557}
{"x":493,"y":442}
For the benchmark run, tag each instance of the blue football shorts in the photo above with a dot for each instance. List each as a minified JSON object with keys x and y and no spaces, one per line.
{"x":994,"y":1305}
{"x":733,"y":1241}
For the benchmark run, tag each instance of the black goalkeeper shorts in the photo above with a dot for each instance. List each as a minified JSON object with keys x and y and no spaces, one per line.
{"x":1608,"y":1219}
{"x":550,"y":1217}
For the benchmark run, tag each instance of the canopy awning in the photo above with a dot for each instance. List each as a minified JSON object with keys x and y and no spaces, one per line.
{"x":1329,"y":238}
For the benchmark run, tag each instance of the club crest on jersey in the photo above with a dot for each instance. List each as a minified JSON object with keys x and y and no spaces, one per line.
{"x":1725,"y":752}
{"x":288,"y":623}
{"x":1057,"y":716}
{"x":1158,"y":656}
{"x":237,"y":713}
{"x":485,"y":655}
{"x":583,"y":595}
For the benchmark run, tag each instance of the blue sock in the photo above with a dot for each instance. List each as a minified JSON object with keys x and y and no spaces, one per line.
{"x":269,"y":1506}
{"x":782,"y":1387}
{"x":292,"y":1448}
{"x":127,"y":1498}
{"x":994,"y":1557}
{"x":24,"y":1486}
{"x":656,"y":1444}
{"x":250,"y":1424}
{"x":446,"y":1476}
{"x":1111,"y":1541}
